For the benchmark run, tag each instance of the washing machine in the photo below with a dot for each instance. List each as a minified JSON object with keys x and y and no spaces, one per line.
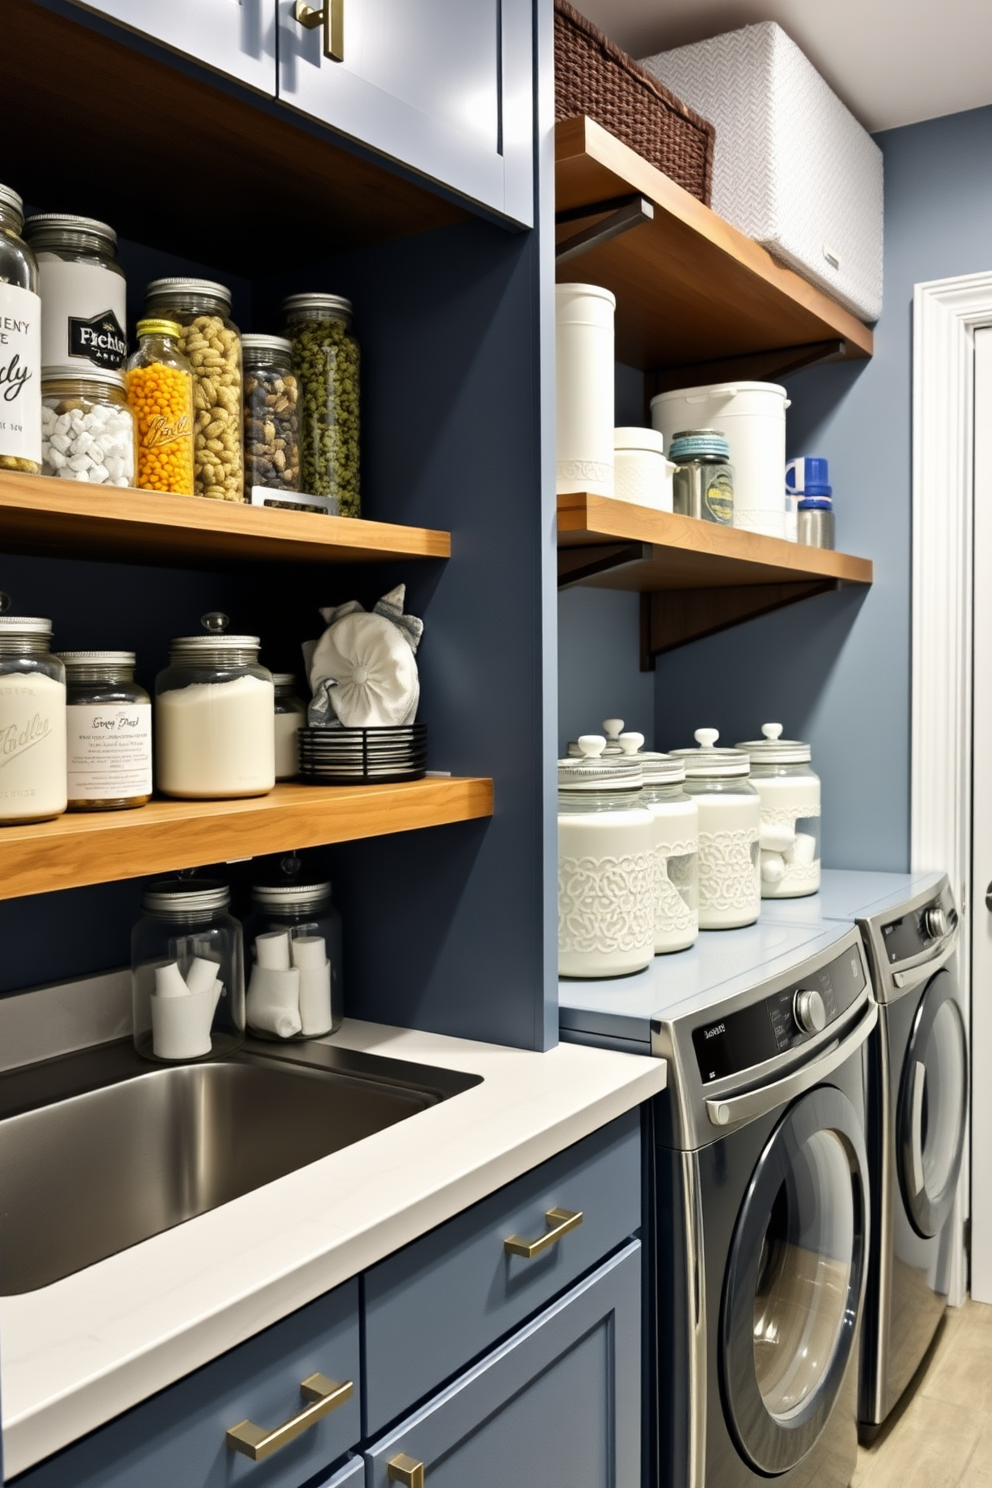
{"x":917,"y":1111}
{"x":757,"y":1183}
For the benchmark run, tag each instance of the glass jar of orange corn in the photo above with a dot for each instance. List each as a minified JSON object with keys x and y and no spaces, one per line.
{"x":160,"y":394}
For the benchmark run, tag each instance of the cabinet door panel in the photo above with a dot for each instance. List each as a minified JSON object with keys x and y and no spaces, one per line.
{"x":557,"y":1405}
{"x":236,"y":37}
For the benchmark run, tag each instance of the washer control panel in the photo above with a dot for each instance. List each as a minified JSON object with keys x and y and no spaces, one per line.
{"x":920,"y":930}
{"x":783,"y":1021}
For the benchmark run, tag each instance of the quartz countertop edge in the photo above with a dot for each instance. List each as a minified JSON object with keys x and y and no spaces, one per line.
{"x":75,"y":1354}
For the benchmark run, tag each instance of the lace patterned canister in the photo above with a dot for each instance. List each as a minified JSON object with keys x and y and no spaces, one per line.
{"x":790,"y":814}
{"x":676,"y":842}
{"x":729,"y":826}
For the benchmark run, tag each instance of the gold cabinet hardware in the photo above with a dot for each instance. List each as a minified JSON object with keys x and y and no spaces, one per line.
{"x":560,"y":1220}
{"x":324,"y":1396}
{"x":331,"y":17}
{"x":404,"y":1469}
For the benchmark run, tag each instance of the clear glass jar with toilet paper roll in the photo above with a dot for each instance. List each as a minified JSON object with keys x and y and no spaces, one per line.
{"x":187,"y":972}
{"x":294,"y":939}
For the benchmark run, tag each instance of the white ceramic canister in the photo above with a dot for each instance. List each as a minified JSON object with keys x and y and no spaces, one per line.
{"x":584,"y":368}
{"x":606,"y":865}
{"x":676,"y":842}
{"x":729,"y":826}
{"x":790,"y":814}
{"x":752,"y":416}
{"x":641,"y":474}
{"x":32,"y":721}
{"x":83,"y":292}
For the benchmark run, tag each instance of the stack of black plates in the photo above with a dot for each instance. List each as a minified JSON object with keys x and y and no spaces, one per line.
{"x":362,"y":756}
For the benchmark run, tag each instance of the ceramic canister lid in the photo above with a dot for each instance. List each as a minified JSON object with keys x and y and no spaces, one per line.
{"x":630,"y":438}
{"x":774,"y":750}
{"x":590,"y":771}
{"x":657,"y":768}
{"x":707,"y":762}
{"x":613,"y":729}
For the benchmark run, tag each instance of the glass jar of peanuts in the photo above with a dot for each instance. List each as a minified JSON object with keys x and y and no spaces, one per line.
{"x":87,"y":429}
{"x":159,"y":384}
{"x":211,"y":343}
{"x":272,"y":445}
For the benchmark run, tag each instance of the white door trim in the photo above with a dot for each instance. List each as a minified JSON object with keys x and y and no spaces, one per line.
{"x":946,"y":313}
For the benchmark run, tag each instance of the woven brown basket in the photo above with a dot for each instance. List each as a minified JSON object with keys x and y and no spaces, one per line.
{"x":594,"y":77}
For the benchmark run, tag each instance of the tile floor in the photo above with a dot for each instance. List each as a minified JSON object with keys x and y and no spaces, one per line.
{"x":942,"y":1438}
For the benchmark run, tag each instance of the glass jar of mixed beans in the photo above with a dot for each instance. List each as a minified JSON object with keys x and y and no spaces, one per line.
{"x":272,"y":446}
{"x":160,"y":394}
{"x":326,"y":362}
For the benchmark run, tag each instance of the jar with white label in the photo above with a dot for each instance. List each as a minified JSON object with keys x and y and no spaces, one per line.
{"x":676,"y":841}
{"x":291,"y":715}
{"x":20,"y":342}
{"x":214,"y":707}
{"x":729,"y":824}
{"x":606,"y":865}
{"x":293,"y":937}
{"x":83,"y":292}
{"x":32,"y":721}
{"x":790,"y":814}
{"x":108,"y":732}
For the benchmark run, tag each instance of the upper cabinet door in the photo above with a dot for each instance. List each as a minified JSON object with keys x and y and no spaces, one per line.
{"x":236,"y":37}
{"x":442,"y":86}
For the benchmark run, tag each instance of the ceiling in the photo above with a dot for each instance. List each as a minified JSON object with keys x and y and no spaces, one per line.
{"x":891,"y":61}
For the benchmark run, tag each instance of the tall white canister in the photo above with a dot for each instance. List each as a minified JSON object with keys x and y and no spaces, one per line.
{"x":729,"y":824}
{"x":789,"y":788}
{"x":584,"y":315}
{"x":751,"y":415}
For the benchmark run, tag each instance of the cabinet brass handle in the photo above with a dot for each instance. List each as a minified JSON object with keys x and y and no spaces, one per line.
{"x":561,"y":1221}
{"x":404,"y":1469}
{"x":324,"y":1396}
{"x":331,"y":17}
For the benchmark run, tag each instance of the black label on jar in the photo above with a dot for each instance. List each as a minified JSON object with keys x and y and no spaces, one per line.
{"x":100,"y":340}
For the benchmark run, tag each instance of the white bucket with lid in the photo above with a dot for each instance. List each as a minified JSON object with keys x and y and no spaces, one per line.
{"x":584,"y":315}
{"x":752,"y":417}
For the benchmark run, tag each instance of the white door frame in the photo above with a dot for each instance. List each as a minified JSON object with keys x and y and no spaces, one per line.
{"x":946,"y":313}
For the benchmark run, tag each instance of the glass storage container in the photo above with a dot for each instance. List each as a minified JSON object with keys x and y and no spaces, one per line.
{"x":294,"y":958}
{"x":606,"y":865}
{"x":729,"y":823}
{"x":20,"y":355}
{"x":790,"y":814}
{"x":160,"y":395}
{"x":108,"y":732}
{"x":32,"y":720}
{"x":272,"y":443}
{"x":291,"y":715}
{"x":214,"y":708}
{"x":676,"y":827}
{"x":211,"y":343}
{"x":87,"y":428}
{"x":83,"y":292}
{"x":325,"y":359}
{"x":187,"y":972}
{"x":703,"y":481}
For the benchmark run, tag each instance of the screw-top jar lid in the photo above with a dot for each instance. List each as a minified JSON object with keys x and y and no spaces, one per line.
{"x":72,"y":660}
{"x":44,"y":226}
{"x":215,"y":623}
{"x":185,"y":895}
{"x":291,"y":895}
{"x":630,"y":438}
{"x":107,"y":376}
{"x":774,"y":750}
{"x":708,"y":762}
{"x":21,"y":624}
{"x":591,"y":771}
{"x":699,"y":444}
{"x":331,"y":304}
{"x":284,"y":679}
{"x":160,"y":289}
{"x":657,"y":768}
{"x":11,"y":199}
{"x":255,"y":346}
{"x":152,"y":326}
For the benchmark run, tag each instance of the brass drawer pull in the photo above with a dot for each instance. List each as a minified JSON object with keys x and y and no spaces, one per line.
{"x":561,"y":1220}
{"x":404,"y":1469}
{"x":331,"y":16}
{"x":324,"y":1395}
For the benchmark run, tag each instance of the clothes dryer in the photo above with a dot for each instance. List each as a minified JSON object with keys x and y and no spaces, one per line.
{"x":757,"y":1176}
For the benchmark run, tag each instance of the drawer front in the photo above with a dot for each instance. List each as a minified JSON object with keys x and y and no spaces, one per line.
{"x":447,"y":1297}
{"x":352,"y":1475}
{"x":179,"y":1436}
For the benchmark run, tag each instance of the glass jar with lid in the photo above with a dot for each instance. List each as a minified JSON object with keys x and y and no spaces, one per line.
{"x":272,"y":442}
{"x":160,"y":395}
{"x":606,"y":865}
{"x":294,"y":956}
{"x":211,"y":343}
{"x":789,"y":788}
{"x":729,"y":824}
{"x":20,"y":355}
{"x":32,"y":720}
{"x":83,"y":292}
{"x":703,"y":480}
{"x":291,"y":715}
{"x":676,"y":826}
{"x":325,"y":359}
{"x":187,"y":972}
{"x":108,"y":732}
{"x":214,"y":706}
{"x":87,"y":428}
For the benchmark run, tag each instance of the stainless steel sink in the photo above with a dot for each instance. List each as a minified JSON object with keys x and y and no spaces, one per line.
{"x":101,"y":1150}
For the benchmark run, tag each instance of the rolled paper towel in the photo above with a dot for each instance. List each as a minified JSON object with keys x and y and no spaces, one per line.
{"x":169,"y":981}
{"x":202,"y":974}
{"x":309,"y":950}
{"x":772,"y":867}
{"x":272,"y":950}
{"x":181,"y":1025}
{"x":274,"y":1000}
{"x":310,"y":955}
{"x":776,"y":837}
{"x":803,"y":851}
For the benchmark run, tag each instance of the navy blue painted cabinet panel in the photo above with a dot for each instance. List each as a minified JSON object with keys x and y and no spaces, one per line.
{"x":558,"y":1405}
{"x":352,"y":1475}
{"x":235,"y":37}
{"x":177,"y":1438}
{"x":447,"y":1297}
{"x":443,"y":86}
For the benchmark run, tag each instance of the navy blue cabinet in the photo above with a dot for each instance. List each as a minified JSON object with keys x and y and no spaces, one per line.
{"x":234,"y":37}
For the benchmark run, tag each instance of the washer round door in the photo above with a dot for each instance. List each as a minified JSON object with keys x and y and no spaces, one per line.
{"x":933,"y":1099}
{"x":794,"y":1281}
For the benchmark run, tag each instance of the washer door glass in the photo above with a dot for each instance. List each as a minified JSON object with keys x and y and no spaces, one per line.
{"x":933,"y":1099}
{"x":794,"y":1281}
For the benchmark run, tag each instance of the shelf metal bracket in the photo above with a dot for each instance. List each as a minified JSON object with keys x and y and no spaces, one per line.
{"x":623,"y":213}
{"x":576,"y":565}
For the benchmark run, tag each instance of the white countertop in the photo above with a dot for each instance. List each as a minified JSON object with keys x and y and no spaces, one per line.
{"x":77,"y":1353}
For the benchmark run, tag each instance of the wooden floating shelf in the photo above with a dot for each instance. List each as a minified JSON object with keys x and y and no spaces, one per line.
{"x":697,"y":577}
{"x":43,"y":514}
{"x":164,"y":836}
{"x":697,"y":301}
